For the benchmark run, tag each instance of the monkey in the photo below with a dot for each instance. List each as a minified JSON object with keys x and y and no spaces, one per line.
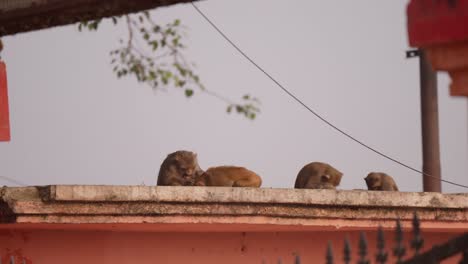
{"x":379,"y":181}
{"x":230,"y":176}
{"x":320,"y":185}
{"x":318,"y":175}
{"x":180,"y":168}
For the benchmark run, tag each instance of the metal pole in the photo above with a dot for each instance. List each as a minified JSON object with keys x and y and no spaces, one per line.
{"x":429,"y":125}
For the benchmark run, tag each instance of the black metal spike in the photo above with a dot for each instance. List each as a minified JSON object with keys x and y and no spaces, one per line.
{"x":297,"y":260}
{"x":329,"y":255}
{"x":363,"y":249}
{"x":347,"y":251}
{"x":464,"y":259}
{"x":381,"y":256}
{"x":417,"y":243}
{"x":399,"y":250}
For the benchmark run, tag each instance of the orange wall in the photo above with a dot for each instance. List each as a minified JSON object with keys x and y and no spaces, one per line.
{"x":87,"y":246}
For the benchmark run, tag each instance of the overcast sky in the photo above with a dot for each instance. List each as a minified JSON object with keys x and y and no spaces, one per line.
{"x":73,"y":122}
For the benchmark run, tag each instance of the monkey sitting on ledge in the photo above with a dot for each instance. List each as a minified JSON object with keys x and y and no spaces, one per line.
{"x":230,"y":176}
{"x":179,"y":169}
{"x":318,"y":175}
{"x":379,"y":181}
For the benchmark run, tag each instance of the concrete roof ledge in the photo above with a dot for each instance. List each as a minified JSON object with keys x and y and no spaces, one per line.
{"x":89,"y":204}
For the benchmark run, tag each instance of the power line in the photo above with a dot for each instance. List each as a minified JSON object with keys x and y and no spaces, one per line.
{"x":312,"y":111}
{"x":11,"y":180}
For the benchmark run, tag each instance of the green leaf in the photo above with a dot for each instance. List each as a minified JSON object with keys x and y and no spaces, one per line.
{"x":176,"y":80}
{"x":168,"y":74}
{"x":246,"y":97}
{"x":94,"y":25}
{"x":229,"y":109}
{"x":154,"y":43}
{"x":146,"y":36}
{"x":177,"y":22}
{"x":183,"y":72}
{"x":188,"y":92}
{"x":152,"y":75}
{"x":156,"y":28}
{"x":252,"y":116}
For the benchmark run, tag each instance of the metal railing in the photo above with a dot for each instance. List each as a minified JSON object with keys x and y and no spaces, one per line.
{"x":434,"y":255}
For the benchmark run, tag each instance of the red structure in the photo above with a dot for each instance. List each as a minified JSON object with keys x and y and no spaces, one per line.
{"x":4,"y":113}
{"x":77,"y":224}
{"x":440,"y":28}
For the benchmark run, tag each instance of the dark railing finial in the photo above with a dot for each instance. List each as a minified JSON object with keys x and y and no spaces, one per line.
{"x":399,"y":250}
{"x":363,"y":249}
{"x":347,"y":251}
{"x":297,"y":259}
{"x":381,"y":257}
{"x":329,"y":253}
{"x":417,"y":242}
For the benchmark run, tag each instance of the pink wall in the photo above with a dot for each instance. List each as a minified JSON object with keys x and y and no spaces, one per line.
{"x":88,"y":246}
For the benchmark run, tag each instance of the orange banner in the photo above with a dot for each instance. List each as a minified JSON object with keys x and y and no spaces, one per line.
{"x":4,"y":113}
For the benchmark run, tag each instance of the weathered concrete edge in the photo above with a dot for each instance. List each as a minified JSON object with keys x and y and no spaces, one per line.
{"x":41,"y":205}
{"x":272,"y":223}
{"x":105,"y":193}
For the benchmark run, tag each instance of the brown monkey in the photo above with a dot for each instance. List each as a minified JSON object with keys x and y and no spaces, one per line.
{"x":179,"y":168}
{"x":230,"y":176}
{"x":379,"y":181}
{"x":318,"y":175}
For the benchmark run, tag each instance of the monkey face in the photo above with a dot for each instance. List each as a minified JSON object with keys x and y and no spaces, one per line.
{"x":373,"y":181}
{"x":186,"y":171}
{"x":336,"y":178}
{"x":331,"y":177}
{"x":187,"y":164}
{"x":325,"y":178}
